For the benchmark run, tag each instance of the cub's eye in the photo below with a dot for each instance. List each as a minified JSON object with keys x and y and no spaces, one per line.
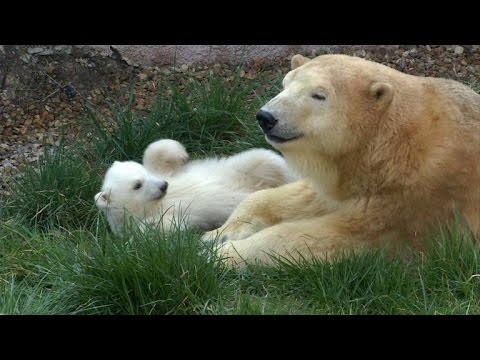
{"x":138,"y":185}
{"x":318,"y":97}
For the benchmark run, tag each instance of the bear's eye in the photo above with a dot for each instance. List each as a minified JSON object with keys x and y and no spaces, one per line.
{"x":319,"y":97}
{"x":137,"y":185}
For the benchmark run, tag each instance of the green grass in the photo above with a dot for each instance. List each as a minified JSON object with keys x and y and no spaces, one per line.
{"x":92,"y":272}
{"x":144,"y":274}
{"x":216,"y":116}
{"x":18,"y":298}
{"x":56,"y":191}
{"x":57,"y":255}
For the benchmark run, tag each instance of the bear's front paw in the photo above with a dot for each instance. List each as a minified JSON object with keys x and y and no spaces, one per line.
{"x":230,"y":256}
{"x":216,"y":236}
{"x":237,"y":230}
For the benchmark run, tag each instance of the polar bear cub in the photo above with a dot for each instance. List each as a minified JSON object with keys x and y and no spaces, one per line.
{"x":169,"y":190}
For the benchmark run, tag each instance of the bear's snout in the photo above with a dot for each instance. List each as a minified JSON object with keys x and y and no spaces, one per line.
{"x":164,"y":186}
{"x":266,"y":120}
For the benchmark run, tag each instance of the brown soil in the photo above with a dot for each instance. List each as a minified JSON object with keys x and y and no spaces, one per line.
{"x":41,"y":94}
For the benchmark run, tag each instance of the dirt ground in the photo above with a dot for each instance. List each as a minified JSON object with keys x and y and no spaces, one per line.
{"x":43,"y":92}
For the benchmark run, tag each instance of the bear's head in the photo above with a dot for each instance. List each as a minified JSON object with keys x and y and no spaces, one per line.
{"x":128,"y":188}
{"x":328,"y":105}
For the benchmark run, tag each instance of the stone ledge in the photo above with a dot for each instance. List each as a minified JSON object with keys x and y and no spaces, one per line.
{"x":151,"y":55}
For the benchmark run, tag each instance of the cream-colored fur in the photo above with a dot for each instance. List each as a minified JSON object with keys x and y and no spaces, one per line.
{"x":200,"y":194}
{"x":387,"y":156}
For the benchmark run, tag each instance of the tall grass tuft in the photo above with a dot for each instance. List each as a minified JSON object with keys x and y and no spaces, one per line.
{"x":449,"y":272}
{"x":55,"y":191}
{"x":126,"y":134}
{"x":216,"y":116}
{"x":142,"y":273}
{"x":23,"y":298}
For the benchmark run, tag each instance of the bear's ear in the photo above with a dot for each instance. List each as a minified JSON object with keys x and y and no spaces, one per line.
{"x":298,"y":60}
{"x":382,"y":94}
{"x":102,"y":199}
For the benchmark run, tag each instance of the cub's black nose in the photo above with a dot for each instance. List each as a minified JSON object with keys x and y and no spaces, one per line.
{"x":164,"y":186}
{"x":266,"y":120}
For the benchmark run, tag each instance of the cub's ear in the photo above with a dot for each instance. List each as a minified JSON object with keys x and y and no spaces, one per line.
{"x":382,"y":93}
{"x":298,"y":60}
{"x":102,"y":200}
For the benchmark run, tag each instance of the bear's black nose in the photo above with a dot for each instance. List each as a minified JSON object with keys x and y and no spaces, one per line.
{"x":266,"y":120}
{"x":164,"y":186}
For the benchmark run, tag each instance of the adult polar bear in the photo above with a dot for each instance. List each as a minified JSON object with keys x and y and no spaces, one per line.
{"x":386,"y":156}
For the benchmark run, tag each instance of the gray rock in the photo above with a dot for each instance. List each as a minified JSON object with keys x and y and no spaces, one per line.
{"x":46,"y":52}
{"x":458,"y":50}
{"x":40,"y":51}
{"x":65,"y":49}
{"x":10,"y":93}
{"x":25,"y":58}
{"x":360,"y":53}
{"x":35,"y":50}
{"x":401,"y":63}
{"x":13,"y":81}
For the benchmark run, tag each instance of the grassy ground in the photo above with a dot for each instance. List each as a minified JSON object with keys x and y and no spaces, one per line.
{"x":57,"y":255}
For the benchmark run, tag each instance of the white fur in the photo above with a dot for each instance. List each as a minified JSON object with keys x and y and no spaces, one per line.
{"x":200,"y":194}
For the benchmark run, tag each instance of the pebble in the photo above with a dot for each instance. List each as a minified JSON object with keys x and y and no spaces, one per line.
{"x":50,"y":69}
{"x":26,"y":58}
{"x":35,"y":50}
{"x":360,"y":53}
{"x":458,"y":50}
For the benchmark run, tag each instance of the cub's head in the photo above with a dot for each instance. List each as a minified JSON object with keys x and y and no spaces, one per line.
{"x":329,"y":105}
{"x":129,"y":187}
